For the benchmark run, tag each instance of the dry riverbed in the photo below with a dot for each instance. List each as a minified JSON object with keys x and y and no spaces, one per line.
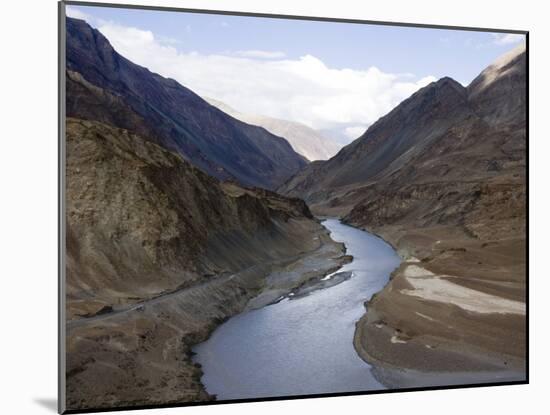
{"x":453,"y":313}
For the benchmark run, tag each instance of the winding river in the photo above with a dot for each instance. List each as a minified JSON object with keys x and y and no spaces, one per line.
{"x":304,"y":345}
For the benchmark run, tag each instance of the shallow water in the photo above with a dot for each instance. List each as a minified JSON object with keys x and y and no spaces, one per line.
{"x":301,"y":346}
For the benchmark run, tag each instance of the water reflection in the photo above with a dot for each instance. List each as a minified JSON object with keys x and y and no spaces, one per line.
{"x":303,"y":346}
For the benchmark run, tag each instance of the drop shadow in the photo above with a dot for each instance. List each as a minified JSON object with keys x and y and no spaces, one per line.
{"x":48,"y":403}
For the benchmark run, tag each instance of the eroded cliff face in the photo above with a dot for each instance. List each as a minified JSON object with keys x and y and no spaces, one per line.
{"x":141,"y":220}
{"x":158,"y":255}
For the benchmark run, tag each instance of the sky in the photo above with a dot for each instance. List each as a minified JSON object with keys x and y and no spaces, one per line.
{"x":338,"y":78}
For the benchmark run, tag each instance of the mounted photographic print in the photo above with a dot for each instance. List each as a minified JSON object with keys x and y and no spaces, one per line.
{"x":259,"y":207}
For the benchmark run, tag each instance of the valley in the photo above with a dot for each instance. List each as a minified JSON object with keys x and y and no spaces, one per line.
{"x":442,"y":178}
{"x":304,"y":140}
{"x":145,"y":283}
{"x":213,"y":254}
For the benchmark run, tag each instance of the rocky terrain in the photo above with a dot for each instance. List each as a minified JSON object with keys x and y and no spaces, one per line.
{"x":159,"y":250}
{"x":104,"y":86}
{"x":158,"y":255}
{"x":304,"y":140}
{"x":442,"y":177}
{"x":173,"y":226}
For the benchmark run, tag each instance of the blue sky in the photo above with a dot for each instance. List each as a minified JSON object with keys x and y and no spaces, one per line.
{"x":338,"y":51}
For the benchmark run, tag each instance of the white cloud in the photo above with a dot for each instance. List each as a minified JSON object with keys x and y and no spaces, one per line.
{"x":260,"y":54}
{"x":169,"y":40}
{"x":76,"y":13}
{"x":304,"y":89}
{"x":507,"y":38}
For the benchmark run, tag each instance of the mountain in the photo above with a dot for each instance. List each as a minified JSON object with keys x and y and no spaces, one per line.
{"x":475,"y":167}
{"x":304,"y":140}
{"x":501,"y":83}
{"x":103,"y":85}
{"x":389,"y":143}
{"x":442,"y":177}
{"x":444,"y":132}
{"x":150,"y":218}
{"x":159,"y":254}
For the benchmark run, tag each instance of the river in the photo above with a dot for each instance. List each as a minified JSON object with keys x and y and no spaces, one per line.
{"x":304,"y":345}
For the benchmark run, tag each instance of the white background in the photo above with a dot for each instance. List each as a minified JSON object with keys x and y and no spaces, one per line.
{"x":28,"y":204}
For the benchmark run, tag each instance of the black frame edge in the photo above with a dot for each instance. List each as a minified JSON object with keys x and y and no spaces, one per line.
{"x":61,"y":327}
{"x":527,"y":325}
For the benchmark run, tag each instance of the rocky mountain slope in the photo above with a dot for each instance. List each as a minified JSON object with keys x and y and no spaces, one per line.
{"x":159,"y":254}
{"x":431,"y":136}
{"x":472,"y":173}
{"x":443,"y":178}
{"x":103,"y":85}
{"x":304,"y":140}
